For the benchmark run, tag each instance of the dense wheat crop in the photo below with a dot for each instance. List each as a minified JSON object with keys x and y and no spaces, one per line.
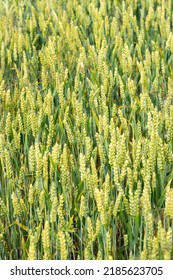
{"x":86,"y":129}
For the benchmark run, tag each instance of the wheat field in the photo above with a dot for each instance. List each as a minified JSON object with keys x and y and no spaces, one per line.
{"x":86,"y":129}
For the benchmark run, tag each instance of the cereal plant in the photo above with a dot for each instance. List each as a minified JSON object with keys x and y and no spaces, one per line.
{"x":86,"y":129}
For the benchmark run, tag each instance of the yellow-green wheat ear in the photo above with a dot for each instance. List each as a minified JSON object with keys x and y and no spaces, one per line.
{"x":63,"y":249}
{"x":46,"y":241}
{"x":32,"y":253}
